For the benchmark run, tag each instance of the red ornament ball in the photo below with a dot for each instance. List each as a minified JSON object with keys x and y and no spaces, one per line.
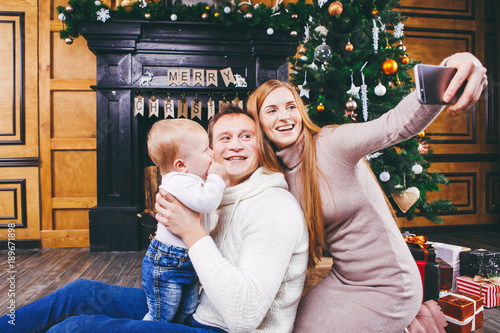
{"x":390,"y":66}
{"x":335,"y":8}
{"x":349,"y":47}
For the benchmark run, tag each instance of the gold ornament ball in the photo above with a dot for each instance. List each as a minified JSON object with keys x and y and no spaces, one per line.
{"x":248,"y":16}
{"x":335,"y":8}
{"x":421,"y":134}
{"x":389,"y":66}
{"x":147,"y":16}
{"x":320,"y":107}
{"x":68,"y":40}
{"x":294,"y":33}
{"x":349,"y":47}
{"x":204,"y":16}
{"x":374,"y":12}
{"x":207,"y":8}
{"x":216,"y":14}
{"x":351,"y":105}
{"x":405,"y":60}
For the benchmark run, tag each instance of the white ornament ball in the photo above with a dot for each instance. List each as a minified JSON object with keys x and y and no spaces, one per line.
{"x":227,"y":10}
{"x":303,"y":58}
{"x":173,"y":17}
{"x":384,"y":176}
{"x":270,"y":31}
{"x":417,"y":168}
{"x":61,"y":17}
{"x":380,"y":89}
{"x":97,"y":3}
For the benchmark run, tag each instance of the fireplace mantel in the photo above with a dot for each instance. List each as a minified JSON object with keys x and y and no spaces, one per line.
{"x":125,"y":50}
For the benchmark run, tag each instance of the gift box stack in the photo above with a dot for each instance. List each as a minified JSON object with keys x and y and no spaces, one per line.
{"x":436,"y":273}
{"x":480,"y":275}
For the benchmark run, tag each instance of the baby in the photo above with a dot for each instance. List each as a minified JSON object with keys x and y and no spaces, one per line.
{"x":179,"y":147}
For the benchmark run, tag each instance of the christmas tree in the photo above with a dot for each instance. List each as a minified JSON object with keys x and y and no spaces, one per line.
{"x":351,"y":68}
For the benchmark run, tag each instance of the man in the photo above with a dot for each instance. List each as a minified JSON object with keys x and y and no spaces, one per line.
{"x":262,"y":265}
{"x":252,"y":267}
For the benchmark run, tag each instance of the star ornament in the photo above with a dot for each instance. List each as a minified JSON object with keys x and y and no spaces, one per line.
{"x":354,"y":91}
{"x":303,"y":90}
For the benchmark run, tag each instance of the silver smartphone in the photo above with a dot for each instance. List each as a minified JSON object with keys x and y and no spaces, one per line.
{"x":431,"y":83}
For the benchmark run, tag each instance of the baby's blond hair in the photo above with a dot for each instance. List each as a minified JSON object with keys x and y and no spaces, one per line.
{"x":165,"y":138}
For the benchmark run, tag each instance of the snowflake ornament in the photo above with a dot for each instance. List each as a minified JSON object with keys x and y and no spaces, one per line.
{"x":307,"y":32}
{"x":321,"y":30}
{"x":321,"y":3}
{"x":398,"y":30}
{"x":103,"y":15}
{"x":143,"y":4}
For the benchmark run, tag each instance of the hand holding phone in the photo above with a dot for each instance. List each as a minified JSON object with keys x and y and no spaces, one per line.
{"x":431,"y":83}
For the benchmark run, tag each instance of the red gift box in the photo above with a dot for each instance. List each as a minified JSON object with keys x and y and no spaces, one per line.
{"x":464,"y":313}
{"x":488,"y":291}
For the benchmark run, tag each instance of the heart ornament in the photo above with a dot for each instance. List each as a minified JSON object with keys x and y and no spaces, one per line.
{"x":406,"y":200}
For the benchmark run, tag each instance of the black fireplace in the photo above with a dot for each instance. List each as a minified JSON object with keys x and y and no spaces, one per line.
{"x":134,"y":59}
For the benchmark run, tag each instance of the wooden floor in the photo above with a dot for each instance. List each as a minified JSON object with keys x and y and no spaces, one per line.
{"x":40,"y":272}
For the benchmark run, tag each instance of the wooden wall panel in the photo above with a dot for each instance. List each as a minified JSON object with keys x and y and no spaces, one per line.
{"x":457,"y":9}
{"x":18,"y":80}
{"x":19,"y":159}
{"x":73,"y":61}
{"x":73,"y":117}
{"x":73,"y":173}
{"x":19,"y":195}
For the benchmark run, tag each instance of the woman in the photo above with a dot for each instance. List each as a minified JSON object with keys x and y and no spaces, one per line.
{"x":374,"y":284}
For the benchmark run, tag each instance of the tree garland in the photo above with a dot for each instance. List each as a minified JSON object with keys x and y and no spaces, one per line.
{"x":291,"y":17}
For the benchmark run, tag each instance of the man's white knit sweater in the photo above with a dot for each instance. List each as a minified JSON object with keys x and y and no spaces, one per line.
{"x":252,"y":268}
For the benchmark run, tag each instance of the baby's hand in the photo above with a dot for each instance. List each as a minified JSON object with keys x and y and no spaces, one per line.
{"x":218,"y":169}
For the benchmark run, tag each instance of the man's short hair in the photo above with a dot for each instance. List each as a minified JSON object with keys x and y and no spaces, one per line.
{"x":224,"y":110}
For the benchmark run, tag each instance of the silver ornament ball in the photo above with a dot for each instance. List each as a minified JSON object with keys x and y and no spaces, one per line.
{"x":323,"y":53}
{"x":351,"y":105}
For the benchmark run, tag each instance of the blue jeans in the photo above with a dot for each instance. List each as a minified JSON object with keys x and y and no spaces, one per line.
{"x":92,"y":306}
{"x":170,"y":282}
